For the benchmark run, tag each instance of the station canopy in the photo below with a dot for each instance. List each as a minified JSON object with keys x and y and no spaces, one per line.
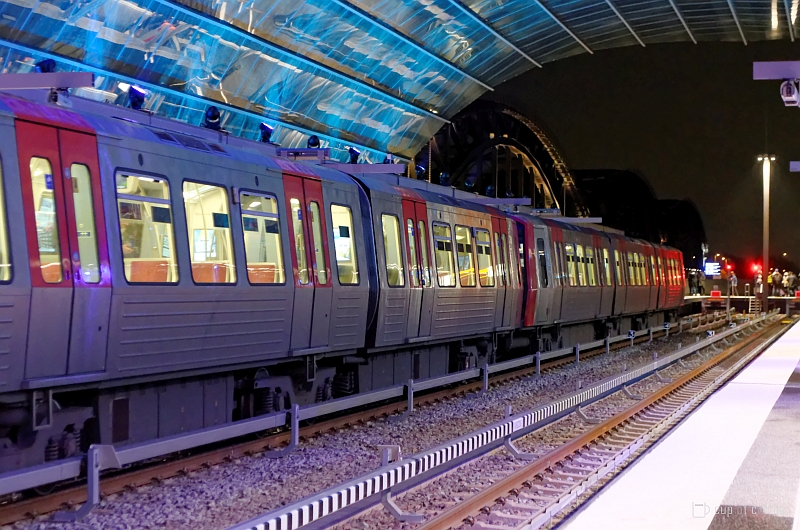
{"x":380,"y":75}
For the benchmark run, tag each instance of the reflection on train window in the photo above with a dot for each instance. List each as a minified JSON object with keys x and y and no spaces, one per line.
{"x":145,"y":222}
{"x":5,"y":255}
{"x":571,"y":268}
{"x":393,"y":251}
{"x":620,"y":277}
{"x":84,"y":223}
{"x":485,"y":266}
{"x":413,"y":269}
{"x":423,"y":251}
{"x":44,"y":204}
{"x":299,"y":241}
{"x":262,"y":239}
{"x":500,"y":270}
{"x":319,"y":250}
{"x":443,"y":252}
{"x":466,"y":266}
{"x":209,"y":228}
{"x":344,"y":244}
{"x":580,"y":262}
{"x":590,"y":266}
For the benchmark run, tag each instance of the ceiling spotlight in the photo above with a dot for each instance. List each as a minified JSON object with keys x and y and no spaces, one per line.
{"x":47,"y":66}
{"x":212,"y":118}
{"x":313,"y":141}
{"x":354,"y":154}
{"x":136,"y":97}
{"x":266,"y":132}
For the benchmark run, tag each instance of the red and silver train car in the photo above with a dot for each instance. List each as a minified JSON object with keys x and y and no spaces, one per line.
{"x":158,"y":278}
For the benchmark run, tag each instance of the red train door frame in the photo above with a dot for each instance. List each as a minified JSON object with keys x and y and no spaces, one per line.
{"x":72,"y":340}
{"x":312,"y":300}
{"x":415,"y":211}
{"x":503,"y":286}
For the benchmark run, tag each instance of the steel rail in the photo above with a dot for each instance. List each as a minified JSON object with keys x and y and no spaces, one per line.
{"x":455,"y":516}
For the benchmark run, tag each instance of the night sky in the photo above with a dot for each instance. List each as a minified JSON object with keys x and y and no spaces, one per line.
{"x":690,"y":119}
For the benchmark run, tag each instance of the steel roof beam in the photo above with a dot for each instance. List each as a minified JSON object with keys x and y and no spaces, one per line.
{"x":563,"y":26}
{"x":480,"y":20}
{"x":736,"y":19}
{"x":789,"y":19}
{"x":683,"y":21}
{"x":364,"y":16}
{"x":173,"y":4}
{"x":622,"y":19}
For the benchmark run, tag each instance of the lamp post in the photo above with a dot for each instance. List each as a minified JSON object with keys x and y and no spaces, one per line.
{"x":766,"y":171}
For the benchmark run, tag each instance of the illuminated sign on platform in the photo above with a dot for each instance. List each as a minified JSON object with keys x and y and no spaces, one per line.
{"x":712,"y":269}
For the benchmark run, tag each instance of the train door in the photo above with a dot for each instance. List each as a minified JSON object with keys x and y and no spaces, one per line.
{"x":310,"y":262}
{"x":415,"y":220}
{"x":60,"y":179}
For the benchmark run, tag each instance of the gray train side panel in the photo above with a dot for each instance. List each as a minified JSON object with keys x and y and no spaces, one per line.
{"x":348,"y":324}
{"x":15,"y":296}
{"x":156,"y":328}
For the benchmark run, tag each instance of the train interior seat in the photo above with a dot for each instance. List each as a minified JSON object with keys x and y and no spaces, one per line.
{"x":147,"y":270}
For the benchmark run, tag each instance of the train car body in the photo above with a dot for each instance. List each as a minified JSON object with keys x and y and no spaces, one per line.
{"x":158,"y":278}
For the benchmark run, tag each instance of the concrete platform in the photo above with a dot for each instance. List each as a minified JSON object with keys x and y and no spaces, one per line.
{"x":734,"y":464}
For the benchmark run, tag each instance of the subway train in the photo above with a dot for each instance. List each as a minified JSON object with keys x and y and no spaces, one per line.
{"x":158,"y":278}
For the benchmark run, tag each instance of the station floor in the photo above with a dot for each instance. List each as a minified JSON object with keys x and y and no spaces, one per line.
{"x":734,"y":464}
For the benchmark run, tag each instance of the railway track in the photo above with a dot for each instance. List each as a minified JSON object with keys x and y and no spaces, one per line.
{"x":176,"y":465}
{"x":544,"y":491}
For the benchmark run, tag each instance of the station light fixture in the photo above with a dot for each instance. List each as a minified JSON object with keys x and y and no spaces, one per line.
{"x":212,"y":119}
{"x":136,"y":97}
{"x":354,"y":154}
{"x":313,"y":142}
{"x":266,"y":132}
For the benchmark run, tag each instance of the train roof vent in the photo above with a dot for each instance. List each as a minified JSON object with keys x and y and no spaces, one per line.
{"x":191,"y":143}
{"x":164,"y":136}
{"x":217,"y":148}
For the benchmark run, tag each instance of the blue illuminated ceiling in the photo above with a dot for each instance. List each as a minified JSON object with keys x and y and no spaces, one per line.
{"x":381,"y":74}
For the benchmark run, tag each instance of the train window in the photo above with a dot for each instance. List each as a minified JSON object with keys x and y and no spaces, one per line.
{"x":319,"y":250}
{"x":520,"y":263}
{"x":661,"y":271}
{"x":580,"y":264}
{"x":262,"y":239}
{"x":631,"y":273}
{"x":443,"y":252}
{"x":209,"y":229}
{"x":84,"y":223}
{"x":466,"y":266}
{"x":561,"y":264}
{"x":344,"y":244}
{"x":643,"y":266}
{"x":542,"y":262}
{"x":483,"y":245}
{"x":412,"y":250}
{"x":299,"y":241}
{"x":592,"y":280}
{"x":618,"y":269}
{"x":146,"y":231}
{"x":393,"y":251}
{"x":556,"y":268}
{"x":500,"y":269}
{"x":653,"y":271}
{"x":423,"y":251}
{"x":5,"y":255}
{"x":572,"y":269}
{"x":607,"y":266}
{"x":44,"y":205}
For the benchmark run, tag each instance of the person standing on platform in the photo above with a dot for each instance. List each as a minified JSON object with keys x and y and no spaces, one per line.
{"x":777,"y":281}
{"x":759,"y":283}
{"x":791,"y":283}
{"x":734,"y":283}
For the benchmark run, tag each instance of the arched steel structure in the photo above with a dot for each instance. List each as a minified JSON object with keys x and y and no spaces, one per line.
{"x":381,"y":74}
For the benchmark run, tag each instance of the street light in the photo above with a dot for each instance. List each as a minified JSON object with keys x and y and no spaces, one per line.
{"x":766,"y":171}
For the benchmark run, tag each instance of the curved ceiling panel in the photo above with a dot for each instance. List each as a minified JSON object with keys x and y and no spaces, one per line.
{"x":382,"y":74}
